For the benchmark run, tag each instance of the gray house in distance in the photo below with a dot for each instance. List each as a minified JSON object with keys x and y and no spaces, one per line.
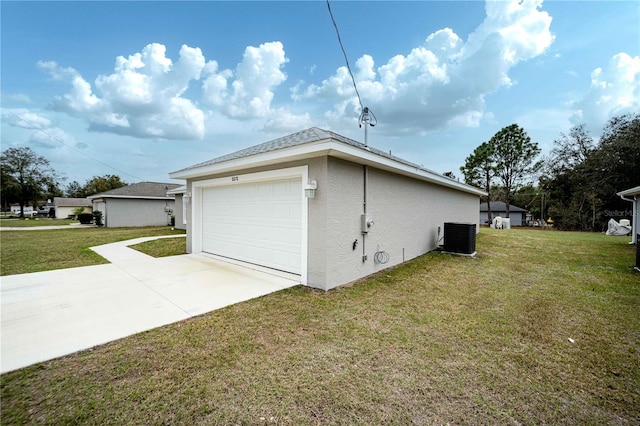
{"x":324,"y":208}
{"x":498,"y":208}
{"x":65,"y":207}
{"x":139,"y":204}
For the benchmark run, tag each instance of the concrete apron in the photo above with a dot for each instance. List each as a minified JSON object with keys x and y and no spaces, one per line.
{"x":49,"y":314}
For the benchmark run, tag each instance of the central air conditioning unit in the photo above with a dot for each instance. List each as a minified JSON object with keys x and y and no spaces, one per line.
{"x":460,"y":238}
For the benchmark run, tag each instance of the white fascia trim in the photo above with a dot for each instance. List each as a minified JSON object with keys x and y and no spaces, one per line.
{"x":197,"y":187}
{"x":291,"y":172}
{"x":324,"y":147}
{"x":632,"y":191}
{"x":139,"y":197}
{"x":348,"y":152}
{"x":635,"y":193}
{"x":179,"y":190}
{"x":308,"y":150}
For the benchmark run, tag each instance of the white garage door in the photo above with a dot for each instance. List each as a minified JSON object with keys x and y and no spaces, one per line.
{"x":259,"y":223}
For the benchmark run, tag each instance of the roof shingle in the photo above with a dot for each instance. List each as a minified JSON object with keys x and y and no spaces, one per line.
{"x":71,"y":202}
{"x":499,"y":206}
{"x":142,"y":189}
{"x":310,"y":135}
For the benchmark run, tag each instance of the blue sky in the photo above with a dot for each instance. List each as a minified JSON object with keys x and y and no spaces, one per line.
{"x":140,"y":89}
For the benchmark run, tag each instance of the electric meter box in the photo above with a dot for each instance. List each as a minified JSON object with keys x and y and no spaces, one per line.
{"x":366,"y":223}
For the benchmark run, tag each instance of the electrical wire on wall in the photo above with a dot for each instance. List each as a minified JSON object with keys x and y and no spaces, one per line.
{"x":366,"y":119}
{"x":381,"y":257}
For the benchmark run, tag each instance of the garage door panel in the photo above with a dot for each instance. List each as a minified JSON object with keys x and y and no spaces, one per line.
{"x":258,"y":223}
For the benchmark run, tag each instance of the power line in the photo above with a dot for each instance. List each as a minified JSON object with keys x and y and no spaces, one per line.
{"x":345,"y":55}
{"x":62,"y":142}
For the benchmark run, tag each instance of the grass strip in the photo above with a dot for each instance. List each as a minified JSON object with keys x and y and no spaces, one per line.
{"x":30,"y":223}
{"x":163,"y":247}
{"x":438,"y":340}
{"x":43,"y":250}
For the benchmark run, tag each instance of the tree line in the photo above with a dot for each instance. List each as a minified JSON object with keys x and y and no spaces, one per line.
{"x":575,"y":185}
{"x":27,"y":178}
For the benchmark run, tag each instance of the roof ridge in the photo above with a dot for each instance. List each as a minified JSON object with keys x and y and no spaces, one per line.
{"x":309,"y":136}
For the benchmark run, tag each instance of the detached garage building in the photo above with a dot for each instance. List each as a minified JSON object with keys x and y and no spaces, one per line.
{"x":139,"y":204}
{"x":320,"y":206}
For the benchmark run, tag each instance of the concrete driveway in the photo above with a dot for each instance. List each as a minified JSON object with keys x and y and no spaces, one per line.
{"x":46,"y":315}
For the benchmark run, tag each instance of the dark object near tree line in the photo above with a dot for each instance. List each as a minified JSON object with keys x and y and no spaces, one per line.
{"x":85,"y":218}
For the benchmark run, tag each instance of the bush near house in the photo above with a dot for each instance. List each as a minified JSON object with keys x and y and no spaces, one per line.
{"x":78,"y":211}
{"x":97,"y":217}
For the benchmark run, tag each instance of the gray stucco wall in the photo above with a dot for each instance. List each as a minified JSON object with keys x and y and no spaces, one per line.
{"x":122,"y":212}
{"x":407,"y":213}
{"x":178,"y":212}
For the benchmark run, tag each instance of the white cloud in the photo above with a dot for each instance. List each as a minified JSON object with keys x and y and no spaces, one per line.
{"x":145,"y":96}
{"x":42,"y":131}
{"x":443,"y":82}
{"x":15,"y":97}
{"x":51,"y":138}
{"x":141,"y":98}
{"x":20,"y":117}
{"x":247,"y":92}
{"x":615,"y":90}
{"x":282,"y":121}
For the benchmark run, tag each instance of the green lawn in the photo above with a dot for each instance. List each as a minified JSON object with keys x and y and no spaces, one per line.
{"x":27,"y":223}
{"x":163,"y":247}
{"x":438,"y":340}
{"x":33,"y":251}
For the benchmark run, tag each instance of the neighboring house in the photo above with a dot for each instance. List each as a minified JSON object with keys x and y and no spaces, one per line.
{"x":633,"y":195}
{"x":320,"y":206}
{"x":15,"y":208}
{"x":498,"y":208}
{"x":139,"y":204}
{"x":180,"y":210}
{"x":65,"y":207}
{"x":30,"y":211}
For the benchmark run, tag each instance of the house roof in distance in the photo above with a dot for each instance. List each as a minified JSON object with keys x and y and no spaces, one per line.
{"x":146,"y":190}
{"x":499,"y":206}
{"x":315,"y":142}
{"x":71,"y":202}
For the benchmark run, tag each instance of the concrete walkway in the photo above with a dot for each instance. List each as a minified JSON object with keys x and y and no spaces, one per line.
{"x":54,"y":313}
